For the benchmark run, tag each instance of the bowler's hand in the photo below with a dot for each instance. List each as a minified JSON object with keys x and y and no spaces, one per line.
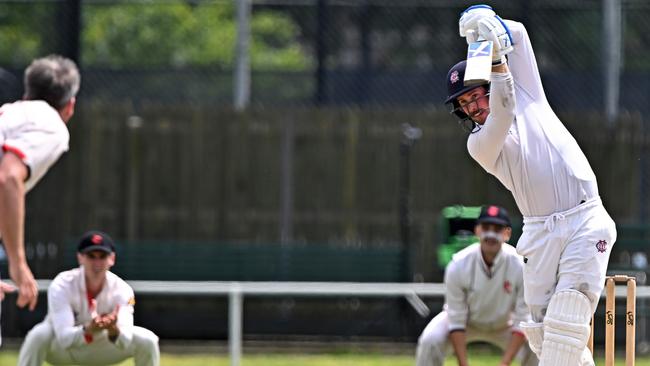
{"x":5,"y":288}
{"x":27,"y":288}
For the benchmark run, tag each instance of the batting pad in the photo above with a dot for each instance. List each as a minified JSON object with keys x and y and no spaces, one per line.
{"x":566,"y":329}
{"x":535,"y":335}
{"x":587,"y":359}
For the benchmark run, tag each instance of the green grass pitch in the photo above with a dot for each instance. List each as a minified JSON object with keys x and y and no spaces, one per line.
{"x":344,"y":359}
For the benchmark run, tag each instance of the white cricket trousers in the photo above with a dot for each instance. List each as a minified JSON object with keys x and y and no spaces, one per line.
{"x":434,"y":344}
{"x":41,"y":345}
{"x":566,"y":250}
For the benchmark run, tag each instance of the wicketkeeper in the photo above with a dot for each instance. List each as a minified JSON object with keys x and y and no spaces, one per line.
{"x":484,"y":299}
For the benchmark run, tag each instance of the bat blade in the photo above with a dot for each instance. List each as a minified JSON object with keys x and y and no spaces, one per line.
{"x":479,"y":63}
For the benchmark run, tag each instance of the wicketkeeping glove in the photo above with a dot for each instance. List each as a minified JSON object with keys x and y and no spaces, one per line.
{"x":495,"y":30}
{"x":470,"y":17}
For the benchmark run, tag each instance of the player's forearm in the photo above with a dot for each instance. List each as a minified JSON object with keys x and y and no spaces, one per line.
{"x":502,"y":98}
{"x":459,"y":342}
{"x":486,"y":146}
{"x":124,"y":327}
{"x":12,"y":216}
{"x":113,"y":333}
{"x":515,"y":344}
{"x":501,"y":68}
{"x":522,"y":62}
{"x":70,"y":336}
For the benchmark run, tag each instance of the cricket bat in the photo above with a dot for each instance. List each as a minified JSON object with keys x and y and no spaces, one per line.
{"x":479,"y":63}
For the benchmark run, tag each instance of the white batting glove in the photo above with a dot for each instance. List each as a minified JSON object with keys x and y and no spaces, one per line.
{"x":495,"y":30}
{"x":470,"y":17}
{"x":471,"y":36}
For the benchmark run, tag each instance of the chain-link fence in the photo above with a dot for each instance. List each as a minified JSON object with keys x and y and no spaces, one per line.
{"x":323,"y":52}
{"x":168,"y":63}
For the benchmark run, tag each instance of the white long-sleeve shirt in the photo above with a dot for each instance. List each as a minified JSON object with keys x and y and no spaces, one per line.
{"x":486,"y":298}
{"x":35,"y":132}
{"x":68,"y":307}
{"x":525,"y":145}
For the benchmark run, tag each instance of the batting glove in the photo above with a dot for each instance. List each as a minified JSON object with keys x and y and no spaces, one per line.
{"x":495,"y":30}
{"x":469,"y":19}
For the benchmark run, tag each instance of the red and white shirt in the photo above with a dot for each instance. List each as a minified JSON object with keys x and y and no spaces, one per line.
{"x":35,"y":132}
{"x":68,"y":307}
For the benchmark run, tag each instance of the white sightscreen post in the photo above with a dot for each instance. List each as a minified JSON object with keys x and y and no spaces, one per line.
{"x":612,"y":23}
{"x":235,"y":305}
{"x":242,"y":77}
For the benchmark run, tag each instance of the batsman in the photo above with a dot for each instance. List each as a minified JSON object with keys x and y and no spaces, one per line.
{"x":567,"y":234}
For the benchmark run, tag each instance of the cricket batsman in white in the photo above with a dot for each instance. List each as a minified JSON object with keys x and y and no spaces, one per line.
{"x":484,"y":299}
{"x":567,"y":234}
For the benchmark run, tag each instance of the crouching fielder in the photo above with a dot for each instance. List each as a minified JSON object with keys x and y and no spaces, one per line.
{"x":484,"y":299}
{"x":90,"y":316}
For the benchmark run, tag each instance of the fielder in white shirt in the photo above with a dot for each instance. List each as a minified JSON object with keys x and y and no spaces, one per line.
{"x":33,"y":135}
{"x":567,"y":235}
{"x":484,"y":299}
{"x":90,"y":316}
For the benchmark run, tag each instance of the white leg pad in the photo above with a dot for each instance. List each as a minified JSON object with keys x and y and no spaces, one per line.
{"x":587,"y":359}
{"x":566,"y":329}
{"x":535,"y":335}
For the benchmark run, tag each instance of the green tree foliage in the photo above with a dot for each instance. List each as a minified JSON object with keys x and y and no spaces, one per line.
{"x":180,"y":34}
{"x":25,"y":31}
{"x":151,"y":34}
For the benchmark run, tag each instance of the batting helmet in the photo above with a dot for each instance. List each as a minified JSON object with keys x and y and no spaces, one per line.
{"x":455,"y":88}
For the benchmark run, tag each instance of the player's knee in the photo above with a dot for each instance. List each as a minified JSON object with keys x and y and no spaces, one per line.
{"x":147,"y":340}
{"x":431,"y":348}
{"x":40,"y":335}
{"x":429,"y":353}
{"x":423,"y":340}
{"x":593,"y":297}
{"x":430,"y":339}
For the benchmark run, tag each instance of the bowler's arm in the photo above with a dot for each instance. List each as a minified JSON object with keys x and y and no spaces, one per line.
{"x":13,"y":173}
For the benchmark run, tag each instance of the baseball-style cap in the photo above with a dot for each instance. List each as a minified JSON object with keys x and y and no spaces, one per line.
{"x":95,"y":240}
{"x":494,"y":215}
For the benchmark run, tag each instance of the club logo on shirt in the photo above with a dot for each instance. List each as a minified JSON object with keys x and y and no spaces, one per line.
{"x":454,"y":77}
{"x":507,"y":287}
{"x":601,"y":246}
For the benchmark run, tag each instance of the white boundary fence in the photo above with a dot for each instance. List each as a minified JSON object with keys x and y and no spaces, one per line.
{"x":236,"y":291}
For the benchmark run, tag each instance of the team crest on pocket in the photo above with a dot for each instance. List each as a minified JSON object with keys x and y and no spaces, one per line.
{"x":601,"y":246}
{"x":507,"y":286}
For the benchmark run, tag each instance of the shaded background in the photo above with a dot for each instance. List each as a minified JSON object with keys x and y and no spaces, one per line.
{"x":309,"y":174}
